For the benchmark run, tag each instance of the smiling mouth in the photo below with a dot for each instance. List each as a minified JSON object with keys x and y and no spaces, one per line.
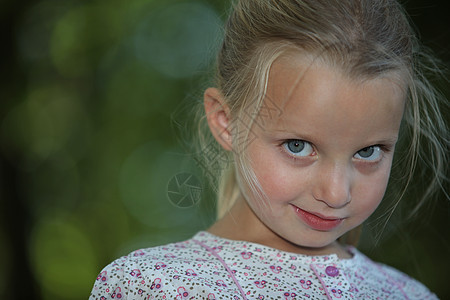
{"x":316,"y":221}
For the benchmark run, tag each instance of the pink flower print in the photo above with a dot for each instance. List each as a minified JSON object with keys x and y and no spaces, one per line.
{"x":182,"y":293}
{"x":246,"y":255}
{"x":156,"y":284}
{"x":353,"y":288}
{"x":289,"y":295}
{"x":275,"y":269}
{"x":359,"y":276}
{"x":160,"y":265}
{"x":337,"y":293}
{"x":136,"y":273}
{"x":140,"y":291}
{"x":211,"y":296}
{"x":258,"y":249}
{"x":217,"y":249}
{"x":169,"y":255}
{"x":190,"y":272}
{"x":102,"y":277}
{"x":117,"y":293}
{"x":306,"y":284}
{"x":260,"y":284}
{"x":220,"y":282}
{"x":138,"y":253}
{"x":176,"y":276}
{"x":102,"y":298}
{"x":261,"y":297}
{"x":292,"y":267}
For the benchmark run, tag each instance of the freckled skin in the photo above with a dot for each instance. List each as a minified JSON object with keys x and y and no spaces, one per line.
{"x":338,"y":117}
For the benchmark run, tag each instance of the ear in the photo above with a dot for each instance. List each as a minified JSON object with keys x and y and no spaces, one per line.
{"x":218,"y":116}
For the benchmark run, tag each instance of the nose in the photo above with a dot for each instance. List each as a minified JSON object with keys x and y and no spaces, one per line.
{"x":333,"y":185}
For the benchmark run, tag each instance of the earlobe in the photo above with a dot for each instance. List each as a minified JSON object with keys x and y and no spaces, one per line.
{"x":218,"y":116}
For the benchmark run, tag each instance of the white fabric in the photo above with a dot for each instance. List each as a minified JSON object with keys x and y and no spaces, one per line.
{"x":188,"y":270}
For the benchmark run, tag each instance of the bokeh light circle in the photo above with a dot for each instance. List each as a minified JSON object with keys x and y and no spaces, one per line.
{"x":179,"y":39}
{"x":62,"y":257}
{"x":143,"y":186}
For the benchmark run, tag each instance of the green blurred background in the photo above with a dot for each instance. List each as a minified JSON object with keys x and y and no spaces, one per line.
{"x":91,"y":95}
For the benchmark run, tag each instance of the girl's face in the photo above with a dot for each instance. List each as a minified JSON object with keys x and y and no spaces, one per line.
{"x":324,"y":163}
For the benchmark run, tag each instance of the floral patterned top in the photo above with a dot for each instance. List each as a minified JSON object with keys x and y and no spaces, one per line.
{"x":210,"y":267}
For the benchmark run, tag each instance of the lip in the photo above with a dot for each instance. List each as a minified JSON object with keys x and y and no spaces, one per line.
{"x":317,"y":221}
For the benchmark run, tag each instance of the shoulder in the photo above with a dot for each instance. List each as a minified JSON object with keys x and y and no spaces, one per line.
{"x":146,"y":273}
{"x":410,"y":286}
{"x":386,"y":279}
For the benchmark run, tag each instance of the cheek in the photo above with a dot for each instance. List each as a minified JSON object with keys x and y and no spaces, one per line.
{"x":370,"y":193}
{"x":279,"y":183}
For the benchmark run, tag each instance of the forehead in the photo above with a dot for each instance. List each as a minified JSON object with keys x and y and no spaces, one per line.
{"x":315,"y":93}
{"x":293,"y":71}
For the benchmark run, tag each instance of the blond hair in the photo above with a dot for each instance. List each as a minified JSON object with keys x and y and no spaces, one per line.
{"x":366,"y":39}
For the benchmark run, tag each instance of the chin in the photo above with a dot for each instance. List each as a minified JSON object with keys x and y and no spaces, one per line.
{"x":313,"y":242}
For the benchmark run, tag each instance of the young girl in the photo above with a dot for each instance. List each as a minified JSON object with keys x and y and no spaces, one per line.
{"x":311,"y":99}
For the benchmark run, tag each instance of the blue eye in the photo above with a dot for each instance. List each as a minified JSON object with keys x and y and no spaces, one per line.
{"x":298,"y":147}
{"x":372,"y":153}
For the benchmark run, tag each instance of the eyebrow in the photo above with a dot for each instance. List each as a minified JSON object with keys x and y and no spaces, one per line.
{"x":388,"y":140}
